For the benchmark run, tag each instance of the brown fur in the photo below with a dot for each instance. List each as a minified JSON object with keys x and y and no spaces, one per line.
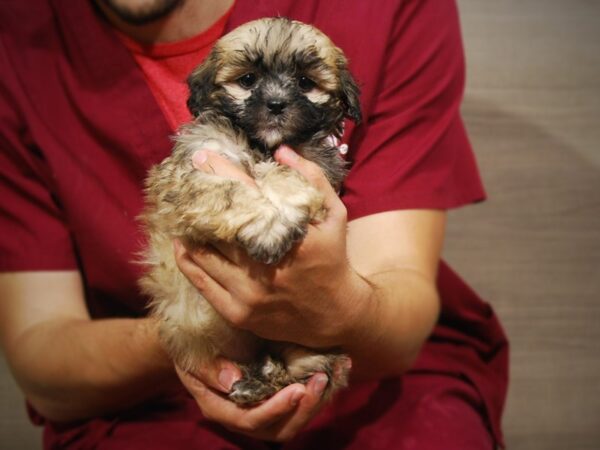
{"x":240,"y":123}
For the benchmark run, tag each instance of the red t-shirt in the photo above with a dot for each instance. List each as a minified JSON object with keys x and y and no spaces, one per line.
{"x":167,"y":66}
{"x":79,"y":128}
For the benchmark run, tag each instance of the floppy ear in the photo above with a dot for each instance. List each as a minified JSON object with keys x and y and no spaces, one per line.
{"x":201,"y":83}
{"x":350,"y":96}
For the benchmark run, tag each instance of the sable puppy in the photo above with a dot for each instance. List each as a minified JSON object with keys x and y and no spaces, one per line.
{"x":269,"y":82}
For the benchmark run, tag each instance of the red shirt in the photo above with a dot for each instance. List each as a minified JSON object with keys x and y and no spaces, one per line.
{"x":79,"y":128}
{"x":167,"y":66}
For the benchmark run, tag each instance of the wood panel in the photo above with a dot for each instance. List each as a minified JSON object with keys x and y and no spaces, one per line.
{"x":16,"y":432}
{"x":533,"y":249}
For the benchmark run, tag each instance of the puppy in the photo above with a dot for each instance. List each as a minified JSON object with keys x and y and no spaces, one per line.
{"x":269,"y":82}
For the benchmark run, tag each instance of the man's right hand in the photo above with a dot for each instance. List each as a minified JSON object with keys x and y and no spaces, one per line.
{"x":279,"y":418}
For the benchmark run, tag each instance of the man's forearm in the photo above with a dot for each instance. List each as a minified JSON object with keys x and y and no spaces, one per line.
{"x":401,"y":309}
{"x":74,"y":369}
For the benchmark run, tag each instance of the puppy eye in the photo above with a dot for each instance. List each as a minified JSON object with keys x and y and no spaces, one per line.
{"x":306,"y":84}
{"x":247,"y":81}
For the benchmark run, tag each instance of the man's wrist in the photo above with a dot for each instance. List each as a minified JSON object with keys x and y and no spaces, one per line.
{"x":160,"y":363}
{"x":148,"y":337}
{"x":358,"y":325}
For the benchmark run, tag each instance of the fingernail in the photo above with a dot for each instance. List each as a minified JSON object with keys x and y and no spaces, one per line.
{"x":199,"y":158}
{"x":287,"y":153}
{"x":320,"y":381}
{"x":296,"y":397}
{"x":227,"y":378}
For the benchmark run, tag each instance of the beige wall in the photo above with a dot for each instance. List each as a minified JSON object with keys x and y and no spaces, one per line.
{"x":16,"y":433}
{"x":533,"y":111}
{"x":533,"y":250}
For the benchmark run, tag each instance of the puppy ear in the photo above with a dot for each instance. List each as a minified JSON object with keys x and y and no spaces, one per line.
{"x":201,"y":83}
{"x":350,"y":96}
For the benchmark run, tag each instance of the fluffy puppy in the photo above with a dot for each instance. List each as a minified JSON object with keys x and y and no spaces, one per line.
{"x":269,"y":82}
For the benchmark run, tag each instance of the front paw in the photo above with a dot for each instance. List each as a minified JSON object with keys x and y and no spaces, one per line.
{"x":269,"y":243}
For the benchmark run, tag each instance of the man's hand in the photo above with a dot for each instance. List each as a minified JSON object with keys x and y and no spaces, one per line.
{"x":313,"y":297}
{"x":368,"y":286}
{"x":277,"y":419}
{"x":299,"y":300}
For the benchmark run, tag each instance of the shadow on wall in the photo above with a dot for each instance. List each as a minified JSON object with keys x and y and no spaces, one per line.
{"x":533,"y":250}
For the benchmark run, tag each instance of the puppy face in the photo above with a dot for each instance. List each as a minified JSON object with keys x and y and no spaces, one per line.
{"x":280,"y":81}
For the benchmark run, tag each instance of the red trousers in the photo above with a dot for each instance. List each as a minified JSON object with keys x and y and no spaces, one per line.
{"x":418,"y":412}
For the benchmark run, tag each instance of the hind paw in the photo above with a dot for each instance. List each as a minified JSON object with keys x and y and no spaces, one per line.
{"x":248,"y":392}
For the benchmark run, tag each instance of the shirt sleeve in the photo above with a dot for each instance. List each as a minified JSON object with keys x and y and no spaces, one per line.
{"x":412,"y":151}
{"x":33,"y":233}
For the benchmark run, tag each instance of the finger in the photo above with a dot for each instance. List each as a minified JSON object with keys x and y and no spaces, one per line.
{"x":234,"y":253}
{"x":253,"y":421}
{"x":210,"y":162}
{"x":220,"y":374}
{"x":190,"y":264}
{"x":313,"y":173}
{"x":309,"y":405}
{"x":211,"y":289}
{"x":230,"y":272}
{"x":282,"y":404}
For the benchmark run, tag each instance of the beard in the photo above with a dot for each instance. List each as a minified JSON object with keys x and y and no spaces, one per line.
{"x":141,"y":12}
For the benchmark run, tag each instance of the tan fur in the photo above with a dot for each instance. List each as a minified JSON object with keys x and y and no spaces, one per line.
{"x":269,"y":36}
{"x":236,"y":91}
{"x":196,"y":207}
{"x":199,"y":208}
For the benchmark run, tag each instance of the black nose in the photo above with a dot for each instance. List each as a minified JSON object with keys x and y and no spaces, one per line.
{"x":276,"y":106}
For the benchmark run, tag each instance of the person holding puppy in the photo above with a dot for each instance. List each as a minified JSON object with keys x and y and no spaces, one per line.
{"x":90,"y":92}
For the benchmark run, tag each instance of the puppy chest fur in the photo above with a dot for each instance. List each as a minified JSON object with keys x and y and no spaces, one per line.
{"x":267,"y":83}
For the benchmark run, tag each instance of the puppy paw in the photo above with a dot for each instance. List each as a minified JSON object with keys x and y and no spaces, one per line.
{"x":270,"y":242}
{"x":265,"y":378}
{"x":261,"y":380}
{"x":292,"y":205}
{"x":248,"y":392}
{"x":303,"y":363}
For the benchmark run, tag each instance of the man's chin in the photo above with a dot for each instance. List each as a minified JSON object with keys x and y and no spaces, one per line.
{"x":143,"y":12}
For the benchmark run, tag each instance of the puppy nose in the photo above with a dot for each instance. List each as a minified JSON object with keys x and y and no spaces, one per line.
{"x":276,"y":106}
